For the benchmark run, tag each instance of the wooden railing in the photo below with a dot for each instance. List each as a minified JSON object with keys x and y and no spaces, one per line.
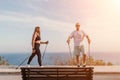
{"x":57,"y":73}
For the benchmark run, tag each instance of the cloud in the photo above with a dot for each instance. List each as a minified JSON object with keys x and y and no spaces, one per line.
{"x":100,"y":19}
{"x":30,"y":19}
{"x":63,"y":10}
{"x":9,"y":16}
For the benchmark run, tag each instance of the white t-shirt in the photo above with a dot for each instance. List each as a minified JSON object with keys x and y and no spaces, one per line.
{"x":78,"y":37}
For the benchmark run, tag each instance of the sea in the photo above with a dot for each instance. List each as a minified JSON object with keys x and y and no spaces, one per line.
{"x":52,"y":58}
{"x":47,"y":58}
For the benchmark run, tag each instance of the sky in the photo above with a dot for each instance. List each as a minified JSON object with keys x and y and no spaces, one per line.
{"x":56,"y":18}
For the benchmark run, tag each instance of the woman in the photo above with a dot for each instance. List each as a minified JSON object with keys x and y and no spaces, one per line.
{"x":35,"y":45}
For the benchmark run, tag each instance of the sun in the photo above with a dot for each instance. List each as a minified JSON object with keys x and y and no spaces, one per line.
{"x":113,"y":5}
{"x":116,"y":3}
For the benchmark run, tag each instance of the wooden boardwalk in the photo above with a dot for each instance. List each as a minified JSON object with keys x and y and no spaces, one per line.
{"x":57,"y":73}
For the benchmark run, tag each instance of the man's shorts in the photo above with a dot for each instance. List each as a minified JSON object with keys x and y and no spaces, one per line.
{"x":78,"y":50}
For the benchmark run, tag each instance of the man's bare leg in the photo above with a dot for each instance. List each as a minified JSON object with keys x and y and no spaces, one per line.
{"x":84,"y":60}
{"x":77,"y":60}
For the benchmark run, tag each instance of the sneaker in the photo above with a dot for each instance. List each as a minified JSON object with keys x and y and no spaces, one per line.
{"x":28,"y":65}
{"x":41,"y":66}
{"x":78,"y":65}
{"x":84,"y":65}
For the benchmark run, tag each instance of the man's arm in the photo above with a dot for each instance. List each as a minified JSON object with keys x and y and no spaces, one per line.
{"x":88,"y":39}
{"x":71,"y":36}
{"x":68,"y":40}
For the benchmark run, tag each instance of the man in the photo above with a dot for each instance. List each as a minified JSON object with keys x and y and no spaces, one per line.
{"x":78,"y":36}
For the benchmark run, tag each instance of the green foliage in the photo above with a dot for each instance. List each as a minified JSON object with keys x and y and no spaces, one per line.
{"x":109,"y":64}
{"x":90,"y":61}
{"x":3,"y":62}
{"x":0,"y":58}
{"x":58,"y":60}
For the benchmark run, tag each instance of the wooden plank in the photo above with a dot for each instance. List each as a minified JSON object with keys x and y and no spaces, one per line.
{"x":59,"y":73}
{"x":57,"y":67}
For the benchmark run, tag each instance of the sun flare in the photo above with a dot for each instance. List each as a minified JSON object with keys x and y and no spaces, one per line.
{"x":116,"y":3}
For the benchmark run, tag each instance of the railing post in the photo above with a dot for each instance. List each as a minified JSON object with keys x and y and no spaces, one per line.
{"x":23,"y":74}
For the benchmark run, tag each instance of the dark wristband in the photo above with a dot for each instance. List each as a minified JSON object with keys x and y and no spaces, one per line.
{"x":33,"y":49}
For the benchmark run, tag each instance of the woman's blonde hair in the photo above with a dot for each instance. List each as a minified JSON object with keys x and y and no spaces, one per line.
{"x":37,"y":29}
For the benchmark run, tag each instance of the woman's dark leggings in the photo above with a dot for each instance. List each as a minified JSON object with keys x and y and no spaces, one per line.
{"x":37,"y":52}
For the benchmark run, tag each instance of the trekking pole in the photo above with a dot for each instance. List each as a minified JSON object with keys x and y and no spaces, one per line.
{"x":44,"y":52}
{"x":22,"y":62}
{"x":70,"y":53}
{"x":89,"y":54}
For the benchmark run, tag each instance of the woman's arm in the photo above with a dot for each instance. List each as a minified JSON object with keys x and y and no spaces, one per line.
{"x":44,"y":42}
{"x":33,"y":40}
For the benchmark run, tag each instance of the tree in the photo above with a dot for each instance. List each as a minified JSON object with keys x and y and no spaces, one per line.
{"x":3,"y":62}
{"x":109,"y":64}
{"x":89,"y":61}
